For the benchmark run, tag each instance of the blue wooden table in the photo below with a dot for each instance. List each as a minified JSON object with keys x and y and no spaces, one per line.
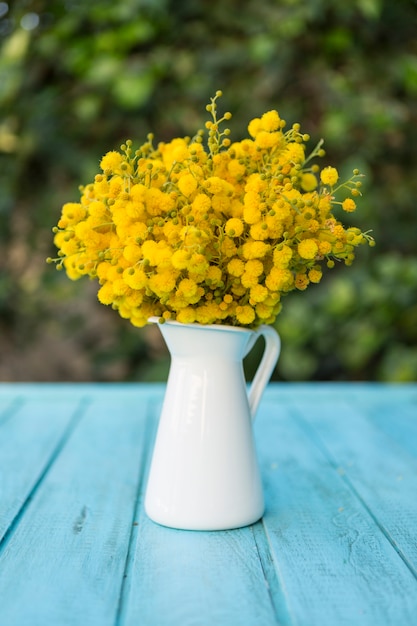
{"x":337,"y":545}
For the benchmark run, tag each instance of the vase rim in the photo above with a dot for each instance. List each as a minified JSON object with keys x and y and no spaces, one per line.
{"x":225,"y":327}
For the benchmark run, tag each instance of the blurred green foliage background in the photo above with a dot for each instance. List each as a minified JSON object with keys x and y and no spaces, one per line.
{"x":79,"y":78}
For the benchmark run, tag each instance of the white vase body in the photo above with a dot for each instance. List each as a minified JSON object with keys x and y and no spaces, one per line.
{"x":204,"y":472}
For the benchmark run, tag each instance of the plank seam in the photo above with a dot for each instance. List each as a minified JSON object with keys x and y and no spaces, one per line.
{"x":344,"y":477}
{"x":11,"y":409}
{"x":78,"y":413}
{"x":273,"y":580}
{"x":150,"y":425}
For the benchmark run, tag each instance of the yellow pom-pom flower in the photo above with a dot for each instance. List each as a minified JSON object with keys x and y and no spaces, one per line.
{"x":349,"y":205}
{"x":209,"y":232}
{"x":307,"y":249}
{"x":308,"y":182}
{"x":234,"y":227}
{"x":270,"y":121}
{"x":111,"y":161}
{"x":254,"y":126}
{"x":187,"y":184}
{"x":245,"y":314}
{"x":329,"y":176}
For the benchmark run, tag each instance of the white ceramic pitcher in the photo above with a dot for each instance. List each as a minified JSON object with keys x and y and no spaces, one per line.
{"x":204,"y":473}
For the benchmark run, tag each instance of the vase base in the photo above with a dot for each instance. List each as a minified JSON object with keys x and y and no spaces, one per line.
{"x":212,"y":525}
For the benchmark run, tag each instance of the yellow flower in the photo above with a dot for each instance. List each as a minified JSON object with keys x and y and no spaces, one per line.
{"x":307,"y":249}
{"x":101,"y":188}
{"x":111,"y":161}
{"x":338,"y":231}
{"x":69,"y":247}
{"x":136,"y":210}
{"x":186,"y":315}
{"x":275,"y":226}
{"x":236,"y":267}
{"x":279,"y":279}
{"x":134,"y":299}
{"x":324,"y":247}
{"x":255,"y":183}
{"x":254,"y":127}
{"x":208,"y":234}
{"x":258,"y":293}
{"x":254,"y":267}
{"x":315,"y":275}
{"x":73,"y":212}
{"x":282,"y":210}
{"x":263,"y":311}
{"x":138,"y":192}
{"x":137,"y":231}
{"x":135,"y":278}
{"x":157,"y":202}
{"x":120,"y":287}
{"x":221,"y":203}
{"x":349,"y":205}
{"x":201,"y":205}
{"x":132,"y":253}
{"x":265,"y":140}
{"x":329,"y":176}
{"x":180,"y":259}
{"x":105,"y":294}
{"x":175,"y":151}
{"x":214,"y":275}
{"x":208,"y":313}
{"x":283,"y":256}
{"x":216,"y":185}
{"x":190,"y":290}
{"x":301,"y":281}
{"x":172,"y":232}
{"x":162,"y":283}
{"x":308,"y":182}
{"x":260,"y":231}
{"x":270,"y":121}
{"x":87,"y":234}
{"x":251,"y":211}
{"x":294,"y":153}
{"x":249,"y":280}
{"x":198,"y":264}
{"x":255,"y":249}
{"x":236,"y":169}
{"x":234,"y":227}
{"x":245,"y":314}
{"x":187,"y":184}
{"x":228,"y":247}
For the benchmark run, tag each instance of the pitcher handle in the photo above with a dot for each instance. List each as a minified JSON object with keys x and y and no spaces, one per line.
{"x":266,"y":366}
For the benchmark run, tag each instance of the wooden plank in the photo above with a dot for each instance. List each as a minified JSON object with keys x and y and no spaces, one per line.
{"x":9,"y":405}
{"x":336,"y":564}
{"x":377,"y":466}
{"x":399,"y":421}
{"x":30,"y":436}
{"x":373,"y":394}
{"x":205,"y":578}
{"x":320,"y":557}
{"x":68,"y":390}
{"x":178,"y":577}
{"x":64,"y":561}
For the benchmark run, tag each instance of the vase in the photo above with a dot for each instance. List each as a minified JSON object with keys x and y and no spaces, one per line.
{"x":204,"y":473}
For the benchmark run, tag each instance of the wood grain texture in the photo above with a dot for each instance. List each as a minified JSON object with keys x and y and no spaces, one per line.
{"x":380,"y":469}
{"x":64,"y":562}
{"x":199,"y":578}
{"x":337,"y":544}
{"x":337,"y":565}
{"x":31,"y":435}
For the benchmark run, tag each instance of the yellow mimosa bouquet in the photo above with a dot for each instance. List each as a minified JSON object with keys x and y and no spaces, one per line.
{"x":213,"y":234}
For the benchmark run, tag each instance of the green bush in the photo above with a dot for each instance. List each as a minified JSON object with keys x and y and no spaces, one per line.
{"x":79,"y":78}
